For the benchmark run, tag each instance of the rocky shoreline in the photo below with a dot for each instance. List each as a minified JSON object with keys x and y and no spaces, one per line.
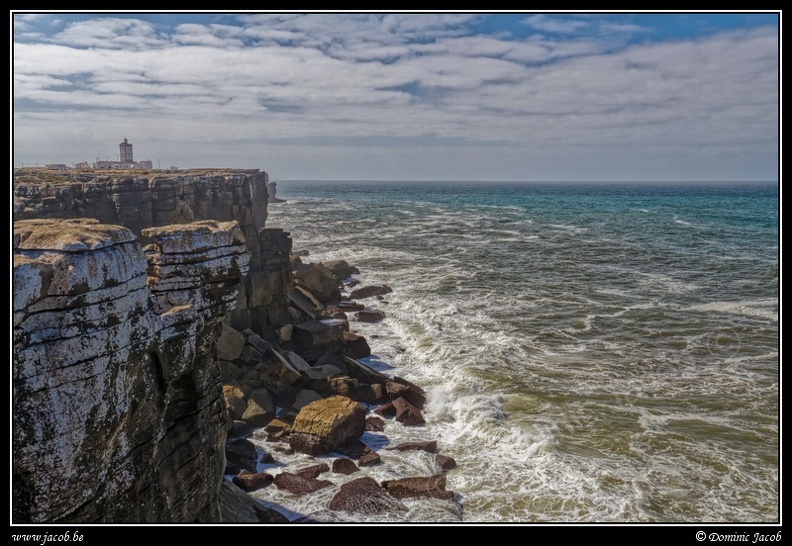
{"x":175,"y":361}
{"x":310,"y":394}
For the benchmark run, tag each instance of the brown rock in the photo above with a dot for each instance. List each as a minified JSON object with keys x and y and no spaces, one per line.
{"x":429,"y":486}
{"x":344,"y":466}
{"x":428,"y":445}
{"x":318,"y":280}
{"x":252,"y":482}
{"x":313,"y":471}
{"x":444,"y":462}
{"x":374,"y":424}
{"x":255,"y":415}
{"x":299,"y":485}
{"x":346,"y":305}
{"x":235,"y":401}
{"x":369,"y":458}
{"x":241,"y":454}
{"x":341,"y":269}
{"x":365,"y":496}
{"x":335,"y":312}
{"x":407,"y":414}
{"x":325,"y":424}
{"x":370,"y":291}
{"x":369,"y":315}
{"x":387,"y":409}
{"x":414,"y":396}
{"x":269,"y":515}
{"x":355,"y":346}
{"x":314,"y":338}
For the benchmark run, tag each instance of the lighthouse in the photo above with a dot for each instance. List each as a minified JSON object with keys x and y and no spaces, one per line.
{"x":125,"y":152}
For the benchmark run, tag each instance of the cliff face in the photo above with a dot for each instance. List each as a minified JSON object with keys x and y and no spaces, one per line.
{"x":118,"y":413}
{"x":153,"y":198}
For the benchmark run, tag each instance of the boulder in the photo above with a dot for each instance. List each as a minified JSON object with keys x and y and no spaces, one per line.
{"x":429,"y":446}
{"x":355,"y":345}
{"x":353,"y":388}
{"x":314,"y":338}
{"x":248,"y":481}
{"x":230,"y":343}
{"x":234,"y":400}
{"x":241,"y":455}
{"x":335,"y":312}
{"x":369,"y":315}
{"x":299,"y":485}
{"x":369,"y":458}
{"x":413,"y":395}
{"x":445,"y":462}
{"x":429,"y":486}
{"x":374,"y":424}
{"x":344,"y":466}
{"x":255,"y":415}
{"x":370,"y":291}
{"x":318,"y":280}
{"x":269,"y":515}
{"x":313,"y":471}
{"x":365,"y":496}
{"x":323,"y":425}
{"x":407,"y":414}
{"x":347,"y":305}
{"x":305,"y":397}
{"x":276,"y":373}
{"x":341,"y":269}
{"x":304,"y":301}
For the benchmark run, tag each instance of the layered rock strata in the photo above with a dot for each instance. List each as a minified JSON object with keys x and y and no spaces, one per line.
{"x":118,"y":412}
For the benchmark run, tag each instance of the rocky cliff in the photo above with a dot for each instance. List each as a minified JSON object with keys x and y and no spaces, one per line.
{"x":117,"y":413}
{"x":142,"y":199}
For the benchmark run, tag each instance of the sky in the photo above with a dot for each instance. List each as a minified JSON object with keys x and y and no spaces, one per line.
{"x":551,"y":96}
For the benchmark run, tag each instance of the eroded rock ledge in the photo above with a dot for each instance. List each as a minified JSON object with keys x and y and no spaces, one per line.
{"x":118,"y":412}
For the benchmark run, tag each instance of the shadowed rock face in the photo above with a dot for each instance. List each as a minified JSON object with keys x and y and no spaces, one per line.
{"x":118,"y":411}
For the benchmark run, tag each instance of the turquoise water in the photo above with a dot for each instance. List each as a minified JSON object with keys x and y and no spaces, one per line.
{"x":594,"y":352}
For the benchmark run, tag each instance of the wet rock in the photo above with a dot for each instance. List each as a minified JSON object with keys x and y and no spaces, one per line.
{"x":365,"y":496}
{"x":412,"y":394}
{"x":335,"y":312}
{"x":346,"y":305}
{"x":313,"y":471}
{"x":370,"y":291}
{"x":269,"y":515}
{"x":325,"y":424}
{"x":344,"y":466}
{"x":429,"y":486}
{"x":369,"y":458}
{"x":374,"y":424}
{"x":369,"y":315}
{"x":241,"y":455}
{"x":248,"y":481}
{"x":341,"y":269}
{"x":407,"y":414}
{"x":445,"y":462}
{"x":299,"y":485}
{"x":429,"y":446}
{"x":355,"y":345}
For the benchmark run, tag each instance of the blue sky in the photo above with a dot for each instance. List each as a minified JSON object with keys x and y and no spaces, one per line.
{"x":413,"y":96}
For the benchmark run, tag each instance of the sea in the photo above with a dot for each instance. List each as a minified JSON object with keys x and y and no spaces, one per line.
{"x":591,"y":352}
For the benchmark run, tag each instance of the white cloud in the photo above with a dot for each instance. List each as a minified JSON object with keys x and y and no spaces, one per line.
{"x":289,"y":78}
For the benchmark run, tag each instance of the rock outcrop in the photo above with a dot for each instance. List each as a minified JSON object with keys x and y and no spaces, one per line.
{"x":118,"y":410}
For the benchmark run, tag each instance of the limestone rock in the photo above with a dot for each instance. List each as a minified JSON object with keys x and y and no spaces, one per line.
{"x":323,"y":425}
